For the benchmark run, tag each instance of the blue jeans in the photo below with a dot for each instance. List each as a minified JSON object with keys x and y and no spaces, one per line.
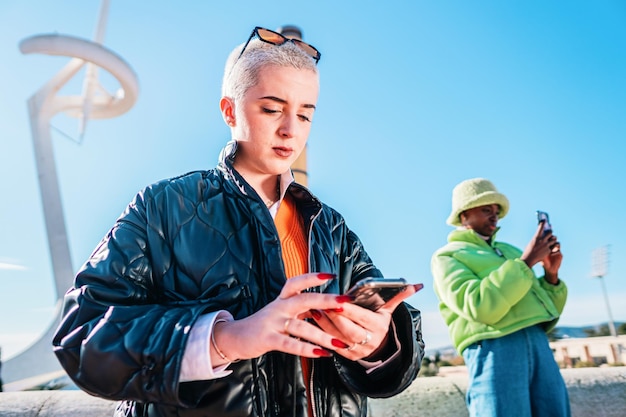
{"x":515,"y":375}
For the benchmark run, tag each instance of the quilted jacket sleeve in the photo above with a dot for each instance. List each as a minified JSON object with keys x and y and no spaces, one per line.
{"x":396,"y":375}
{"x":115,"y":339}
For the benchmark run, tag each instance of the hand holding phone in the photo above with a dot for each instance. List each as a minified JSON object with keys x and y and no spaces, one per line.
{"x":373,"y":293}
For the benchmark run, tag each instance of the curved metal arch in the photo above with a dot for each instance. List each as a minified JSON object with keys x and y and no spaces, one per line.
{"x":88,"y":52}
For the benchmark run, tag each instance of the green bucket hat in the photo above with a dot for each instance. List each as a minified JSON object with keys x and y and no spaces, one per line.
{"x":472,"y":193}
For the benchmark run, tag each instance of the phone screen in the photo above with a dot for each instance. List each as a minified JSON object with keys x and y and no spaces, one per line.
{"x":543,"y":216}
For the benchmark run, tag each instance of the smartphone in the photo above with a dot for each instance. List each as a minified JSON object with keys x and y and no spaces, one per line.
{"x":542,"y":216}
{"x":373,"y":293}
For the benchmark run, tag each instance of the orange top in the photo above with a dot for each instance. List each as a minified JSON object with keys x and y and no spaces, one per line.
{"x":292,"y":238}
{"x":295,"y":257}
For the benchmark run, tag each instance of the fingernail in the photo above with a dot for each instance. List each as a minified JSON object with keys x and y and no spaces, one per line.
{"x":335,"y":310}
{"x":418,"y":287}
{"x":344,"y":298}
{"x":338,"y":343}
{"x":316,"y":314}
{"x":325,"y":275}
{"x":322,"y":353}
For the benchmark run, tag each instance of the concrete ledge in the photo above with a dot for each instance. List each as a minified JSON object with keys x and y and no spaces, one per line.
{"x":54,"y":404}
{"x":593,"y":392}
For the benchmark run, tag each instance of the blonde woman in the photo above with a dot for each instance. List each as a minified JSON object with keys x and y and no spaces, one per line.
{"x":221,"y":292}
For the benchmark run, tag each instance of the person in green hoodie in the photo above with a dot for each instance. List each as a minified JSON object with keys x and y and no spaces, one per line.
{"x":497,"y":310}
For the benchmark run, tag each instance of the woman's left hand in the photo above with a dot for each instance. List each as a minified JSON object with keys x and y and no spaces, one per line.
{"x":364,"y":331}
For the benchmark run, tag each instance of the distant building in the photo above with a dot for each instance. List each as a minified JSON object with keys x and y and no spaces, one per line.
{"x":568,"y":352}
{"x":590,"y":350}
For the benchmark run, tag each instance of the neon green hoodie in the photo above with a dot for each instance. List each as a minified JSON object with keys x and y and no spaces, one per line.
{"x":486,"y":292}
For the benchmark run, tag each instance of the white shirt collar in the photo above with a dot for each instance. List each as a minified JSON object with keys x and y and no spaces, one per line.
{"x":286,"y":178}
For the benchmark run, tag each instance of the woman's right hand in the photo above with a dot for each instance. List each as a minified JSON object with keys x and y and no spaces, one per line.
{"x":539,"y":247}
{"x":281,"y":325}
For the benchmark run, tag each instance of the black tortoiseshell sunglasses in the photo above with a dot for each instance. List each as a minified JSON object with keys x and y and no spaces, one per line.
{"x":276,"y":38}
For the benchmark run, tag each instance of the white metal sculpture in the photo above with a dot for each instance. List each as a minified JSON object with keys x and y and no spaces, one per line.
{"x":45,"y":103}
{"x":95,"y":102}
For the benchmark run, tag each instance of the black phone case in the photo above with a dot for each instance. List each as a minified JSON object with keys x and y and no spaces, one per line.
{"x":374,"y":293}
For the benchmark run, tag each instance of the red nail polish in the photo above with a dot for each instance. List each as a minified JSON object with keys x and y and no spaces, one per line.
{"x":325,"y":275}
{"x":335,"y":310}
{"x":338,"y":343}
{"x":322,"y":353}
{"x":344,"y":298}
{"x":316,"y":314}
{"x":418,"y":287}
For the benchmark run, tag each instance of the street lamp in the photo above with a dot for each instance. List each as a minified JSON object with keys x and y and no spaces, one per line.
{"x":599,"y":268}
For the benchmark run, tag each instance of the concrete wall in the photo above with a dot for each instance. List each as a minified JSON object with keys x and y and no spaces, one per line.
{"x":593,"y":392}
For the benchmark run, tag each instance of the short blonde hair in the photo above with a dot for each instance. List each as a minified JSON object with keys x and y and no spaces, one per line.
{"x":241,"y":72}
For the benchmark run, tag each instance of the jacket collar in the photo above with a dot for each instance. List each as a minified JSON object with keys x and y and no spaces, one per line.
{"x":225,"y":163}
{"x":231,"y":176}
{"x":462,"y":234}
{"x":227,"y":157}
{"x":308,"y":202}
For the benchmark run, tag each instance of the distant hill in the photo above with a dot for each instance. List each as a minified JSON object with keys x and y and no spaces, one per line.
{"x":572,"y":332}
{"x":562,"y":332}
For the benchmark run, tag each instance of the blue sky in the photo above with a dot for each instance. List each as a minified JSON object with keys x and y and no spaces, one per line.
{"x":415,"y":97}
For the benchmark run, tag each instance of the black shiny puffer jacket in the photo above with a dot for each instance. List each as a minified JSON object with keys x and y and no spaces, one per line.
{"x":199,"y":243}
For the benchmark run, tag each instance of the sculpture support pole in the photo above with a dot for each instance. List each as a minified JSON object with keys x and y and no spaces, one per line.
{"x":50,"y":196}
{"x":41,"y":108}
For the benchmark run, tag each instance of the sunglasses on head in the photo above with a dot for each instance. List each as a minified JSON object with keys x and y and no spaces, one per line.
{"x":276,"y":38}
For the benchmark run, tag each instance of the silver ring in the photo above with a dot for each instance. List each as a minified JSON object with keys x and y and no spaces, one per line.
{"x":368,"y":337}
{"x":351,"y":347}
{"x":286,"y":326}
